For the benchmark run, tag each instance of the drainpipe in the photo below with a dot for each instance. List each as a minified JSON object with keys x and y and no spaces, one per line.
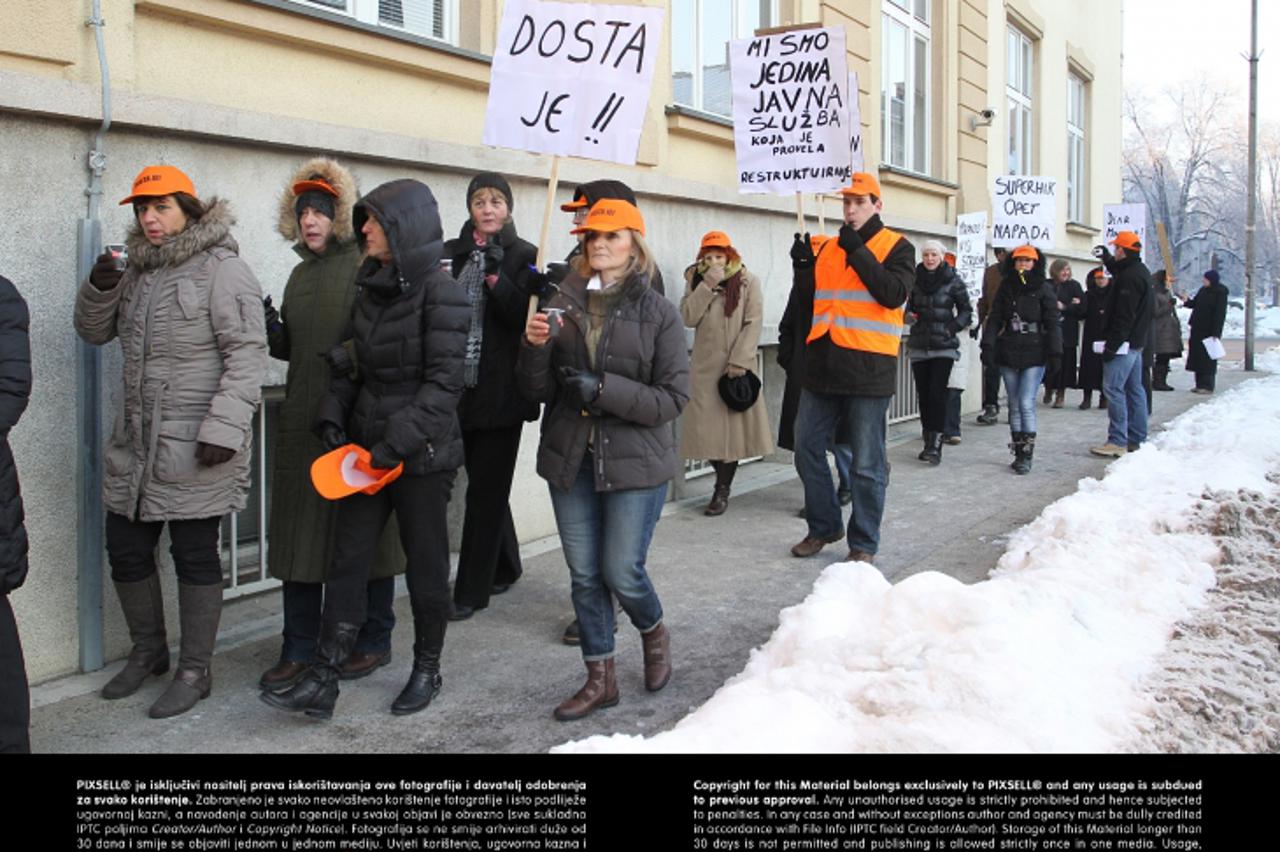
{"x":89,"y":534}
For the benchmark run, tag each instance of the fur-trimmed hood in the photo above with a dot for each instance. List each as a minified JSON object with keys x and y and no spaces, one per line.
{"x":337,"y":176}
{"x":213,"y":229}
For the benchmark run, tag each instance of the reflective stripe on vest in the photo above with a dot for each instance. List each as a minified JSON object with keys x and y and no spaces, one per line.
{"x":843,"y":307}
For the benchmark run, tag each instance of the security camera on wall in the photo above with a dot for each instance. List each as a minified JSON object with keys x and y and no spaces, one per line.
{"x":983,"y":118}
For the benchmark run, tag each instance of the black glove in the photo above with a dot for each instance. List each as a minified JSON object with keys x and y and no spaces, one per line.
{"x":493,"y":255}
{"x":383,"y":457}
{"x":849,"y":239}
{"x":802,"y":256}
{"x":339,"y":361}
{"x":332,"y":436}
{"x":1102,"y":254}
{"x":271,"y":316}
{"x":988,"y":356}
{"x":210,"y":454}
{"x":581,"y":388}
{"x":973,"y":332}
{"x":537,"y":283}
{"x":104,"y":274}
{"x":557,"y":271}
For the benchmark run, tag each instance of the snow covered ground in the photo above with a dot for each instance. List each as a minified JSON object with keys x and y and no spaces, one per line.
{"x":1138,"y":614}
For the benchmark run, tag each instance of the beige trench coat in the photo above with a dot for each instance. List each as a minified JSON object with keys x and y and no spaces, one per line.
{"x":710,"y":429}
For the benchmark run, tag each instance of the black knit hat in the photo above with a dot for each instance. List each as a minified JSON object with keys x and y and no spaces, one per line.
{"x":490,"y":180}
{"x":317,"y":200}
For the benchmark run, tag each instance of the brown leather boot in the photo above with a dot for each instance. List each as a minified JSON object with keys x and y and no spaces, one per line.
{"x":600,"y":690}
{"x":143,"y":606}
{"x":719,"y":501}
{"x":1059,"y":398}
{"x":657,"y":657}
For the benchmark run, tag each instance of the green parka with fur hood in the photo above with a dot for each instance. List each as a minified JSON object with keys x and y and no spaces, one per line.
{"x":314,"y":312}
{"x":188,"y":314}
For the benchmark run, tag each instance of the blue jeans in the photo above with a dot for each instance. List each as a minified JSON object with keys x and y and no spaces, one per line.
{"x":1021,"y":386}
{"x":1126,"y":399}
{"x":605,"y":537}
{"x":302,"y":606}
{"x":815,"y":427}
{"x":844,"y":464}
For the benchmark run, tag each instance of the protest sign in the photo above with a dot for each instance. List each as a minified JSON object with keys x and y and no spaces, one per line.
{"x":1124,"y":217}
{"x":572,"y":79}
{"x":857,"y":160}
{"x":971,"y":251}
{"x":791,"y":111}
{"x":1024,"y":211}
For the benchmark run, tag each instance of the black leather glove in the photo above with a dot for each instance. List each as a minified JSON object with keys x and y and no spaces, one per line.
{"x":339,"y":360}
{"x":210,"y":454}
{"x":493,"y":255}
{"x":973,"y":332}
{"x":537,"y":283}
{"x":557,"y":271}
{"x":104,"y":274}
{"x":849,"y":239}
{"x":271,"y":316}
{"x":332,"y":436}
{"x":383,"y":457}
{"x":1102,"y":254}
{"x":802,"y":256}
{"x":581,"y":388}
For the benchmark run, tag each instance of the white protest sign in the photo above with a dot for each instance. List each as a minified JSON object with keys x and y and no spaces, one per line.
{"x":971,"y":251}
{"x":1024,"y":211}
{"x":1124,"y":217}
{"x":572,"y":78}
{"x":858,"y":161}
{"x":791,"y":111}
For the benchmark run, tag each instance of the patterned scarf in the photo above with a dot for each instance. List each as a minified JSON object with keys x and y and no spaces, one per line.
{"x":472,"y":280}
{"x":731,"y":284}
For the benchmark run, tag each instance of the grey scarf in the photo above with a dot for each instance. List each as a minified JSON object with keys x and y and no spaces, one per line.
{"x":472,"y":280}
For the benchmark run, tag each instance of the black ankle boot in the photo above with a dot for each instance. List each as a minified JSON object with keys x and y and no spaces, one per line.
{"x":1023,"y":463}
{"x":424,"y":680}
{"x":317,"y":692}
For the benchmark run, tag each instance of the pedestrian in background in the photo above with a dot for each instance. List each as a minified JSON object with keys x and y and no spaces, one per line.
{"x":991,"y":279}
{"x":1097,"y":297}
{"x":315,"y":217}
{"x":1071,"y":307}
{"x":724,"y":305}
{"x":938,"y":310}
{"x":187,"y":312}
{"x":1166,"y":330}
{"x":1208,"y":317}
{"x":15,"y":391}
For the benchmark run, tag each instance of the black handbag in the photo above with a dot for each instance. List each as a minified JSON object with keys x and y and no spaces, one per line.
{"x":740,"y":393}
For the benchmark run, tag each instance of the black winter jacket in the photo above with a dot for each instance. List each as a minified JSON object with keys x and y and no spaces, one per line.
{"x":494,"y":403}
{"x":409,"y":325}
{"x":1071,"y":313}
{"x":15,"y":390}
{"x":644,"y":366}
{"x":940,"y":302}
{"x":1208,"y":316}
{"x":1130,"y":318}
{"x":1036,"y":335}
{"x":829,"y":367}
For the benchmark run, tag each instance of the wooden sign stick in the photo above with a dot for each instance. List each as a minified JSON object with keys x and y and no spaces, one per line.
{"x":799,"y":213}
{"x":1169,"y":273}
{"x":552,"y":182}
{"x":822,"y":214}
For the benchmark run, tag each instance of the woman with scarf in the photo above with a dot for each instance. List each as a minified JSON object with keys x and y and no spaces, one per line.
{"x":724,"y":305}
{"x":493,"y":265}
{"x":938,"y":309}
{"x":1072,"y":308}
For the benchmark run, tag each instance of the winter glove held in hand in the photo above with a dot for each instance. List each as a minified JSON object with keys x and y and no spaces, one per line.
{"x":339,"y":361}
{"x":383,"y":457}
{"x":210,"y":454}
{"x":493,"y":255}
{"x":849,"y":239}
{"x":332,"y":436}
{"x":271,"y":316}
{"x":802,"y":256}
{"x":581,"y":388}
{"x":104,"y":274}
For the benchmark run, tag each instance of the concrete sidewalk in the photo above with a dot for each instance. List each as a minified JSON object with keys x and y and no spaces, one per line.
{"x":722,"y":582}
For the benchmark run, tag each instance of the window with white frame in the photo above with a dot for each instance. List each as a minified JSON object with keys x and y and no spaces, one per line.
{"x":700,"y":35}
{"x":1076,"y":174}
{"x":436,"y":19}
{"x":904,"y":84}
{"x":1018,"y":88}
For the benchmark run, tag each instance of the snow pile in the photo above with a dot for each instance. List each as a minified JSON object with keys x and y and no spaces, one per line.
{"x":1266,"y":322}
{"x":1052,"y":653}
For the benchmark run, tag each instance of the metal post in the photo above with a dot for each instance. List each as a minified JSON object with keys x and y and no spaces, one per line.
{"x":89,"y":533}
{"x":1250,"y":228}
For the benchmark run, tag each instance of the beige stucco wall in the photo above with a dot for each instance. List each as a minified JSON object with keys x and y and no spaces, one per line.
{"x":238,"y":92}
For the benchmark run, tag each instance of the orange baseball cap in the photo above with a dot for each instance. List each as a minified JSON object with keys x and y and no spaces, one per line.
{"x":1127,"y":240}
{"x":1026,"y":251}
{"x":863,"y":184}
{"x":344,"y":471}
{"x":576,"y":204}
{"x":610,"y":214}
{"x":715,"y":239}
{"x":320,"y":185}
{"x":155,"y":181}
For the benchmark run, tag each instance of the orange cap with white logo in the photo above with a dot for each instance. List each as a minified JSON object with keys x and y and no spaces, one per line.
{"x":154,"y":181}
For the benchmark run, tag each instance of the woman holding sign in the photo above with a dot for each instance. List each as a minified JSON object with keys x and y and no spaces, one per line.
{"x":493,"y":265}
{"x":607,"y":356}
{"x":724,"y":305}
{"x":1024,"y":338}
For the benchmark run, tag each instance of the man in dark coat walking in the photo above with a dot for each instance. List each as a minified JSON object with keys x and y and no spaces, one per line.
{"x":1127,"y":329}
{"x":15,"y":390}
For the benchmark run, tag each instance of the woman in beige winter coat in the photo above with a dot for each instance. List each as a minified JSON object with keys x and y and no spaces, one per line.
{"x":724,"y":304}
{"x":188,"y":313}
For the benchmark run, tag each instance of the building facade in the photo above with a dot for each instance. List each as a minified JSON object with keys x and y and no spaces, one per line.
{"x":237,"y":92}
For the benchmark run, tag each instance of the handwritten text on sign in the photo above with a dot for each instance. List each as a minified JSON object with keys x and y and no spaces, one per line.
{"x":791,"y":111}
{"x":1124,"y":217}
{"x":572,"y":78}
{"x":1024,"y":211}
{"x":971,"y":251}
